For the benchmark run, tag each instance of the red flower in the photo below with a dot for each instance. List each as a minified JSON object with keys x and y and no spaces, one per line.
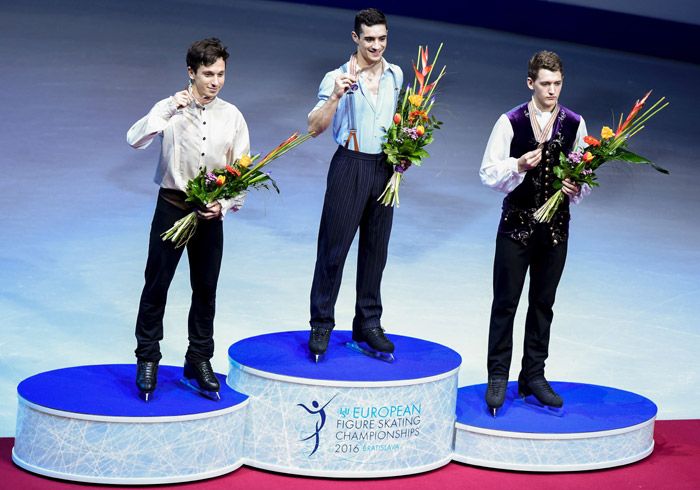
{"x":587,"y":157}
{"x":633,"y":113}
{"x":397,"y":118}
{"x":590,"y":140}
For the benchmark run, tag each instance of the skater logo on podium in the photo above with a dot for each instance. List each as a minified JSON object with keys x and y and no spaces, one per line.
{"x":320,"y":422}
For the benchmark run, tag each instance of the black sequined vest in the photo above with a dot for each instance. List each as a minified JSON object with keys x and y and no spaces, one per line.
{"x":519,"y":205}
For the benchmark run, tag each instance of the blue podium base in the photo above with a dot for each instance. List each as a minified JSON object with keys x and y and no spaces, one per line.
{"x":348,"y":416}
{"x":599,"y":427}
{"x":88,"y":424}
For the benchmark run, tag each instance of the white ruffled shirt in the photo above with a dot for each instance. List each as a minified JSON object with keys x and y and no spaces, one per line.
{"x":191,"y":137}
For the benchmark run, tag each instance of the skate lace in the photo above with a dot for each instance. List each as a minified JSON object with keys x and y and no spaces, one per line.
{"x":148,"y":369}
{"x":496,"y":385}
{"x":378,"y":333}
{"x":542,"y":384}
{"x":319,"y":333}
{"x":206,"y":370}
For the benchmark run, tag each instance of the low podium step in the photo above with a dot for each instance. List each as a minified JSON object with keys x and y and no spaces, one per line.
{"x":88,"y":424}
{"x":599,"y":427}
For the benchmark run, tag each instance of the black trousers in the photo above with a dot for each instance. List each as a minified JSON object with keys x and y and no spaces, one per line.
{"x":204,"y":251}
{"x":546,"y":264}
{"x":355,"y":181}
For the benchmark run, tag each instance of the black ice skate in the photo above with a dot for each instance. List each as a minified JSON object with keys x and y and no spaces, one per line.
{"x":496,"y":393}
{"x":373,"y":343}
{"x":200,"y":377}
{"x":146,"y":378}
{"x":543,"y":396}
{"x":318,"y":342}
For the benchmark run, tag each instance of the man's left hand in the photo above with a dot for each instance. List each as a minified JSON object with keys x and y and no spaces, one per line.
{"x":569,"y":188}
{"x":213,"y":210}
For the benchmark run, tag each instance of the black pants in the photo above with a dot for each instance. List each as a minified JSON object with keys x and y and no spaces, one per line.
{"x":355,"y":181}
{"x":546,"y":264}
{"x":204,"y":251}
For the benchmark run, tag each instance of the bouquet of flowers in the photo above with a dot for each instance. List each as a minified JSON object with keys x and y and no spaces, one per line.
{"x":226,"y":183}
{"x":580,"y":165}
{"x":413,"y":125}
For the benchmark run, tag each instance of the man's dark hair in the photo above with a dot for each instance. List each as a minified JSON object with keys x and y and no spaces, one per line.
{"x":369,"y":17}
{"x":544,"y":60}
{"x":205,"y":52}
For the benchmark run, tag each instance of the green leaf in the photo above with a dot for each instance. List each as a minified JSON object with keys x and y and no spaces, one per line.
{"x":660,"y":169}
{"x":422,"y":154}
{"x":628,"y":156}
{"x":414,"y":159}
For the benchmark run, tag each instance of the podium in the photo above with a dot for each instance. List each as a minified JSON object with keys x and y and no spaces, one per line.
{"x":88,"y":424}
{"x":348,"y":416}
{"x":599,"y":427}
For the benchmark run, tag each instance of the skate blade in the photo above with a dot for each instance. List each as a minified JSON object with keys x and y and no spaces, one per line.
{"x":194,"y":386}
{"x":532,"y":402}
{"x":145,"y":396}
{"x":365,"y":349}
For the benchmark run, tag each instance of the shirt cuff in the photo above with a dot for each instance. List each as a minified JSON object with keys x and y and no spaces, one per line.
{"x":171,"y":107}
{"x":233,"y":204}
{"x":585,"y":190}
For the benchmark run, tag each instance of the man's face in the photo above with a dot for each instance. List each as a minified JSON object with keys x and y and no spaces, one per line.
{"x":371,"y":42}
{"x":546,"y":88}
{"x":208,"y":80}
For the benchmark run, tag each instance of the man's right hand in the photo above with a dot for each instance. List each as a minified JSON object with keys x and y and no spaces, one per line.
{"x":321,"y":118}
{"x":342,"y":84}
{"x":182,"y":99}
{"x":529,"y":160}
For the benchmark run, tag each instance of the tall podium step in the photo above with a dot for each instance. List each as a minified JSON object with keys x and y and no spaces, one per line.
{"x":348,"y":416}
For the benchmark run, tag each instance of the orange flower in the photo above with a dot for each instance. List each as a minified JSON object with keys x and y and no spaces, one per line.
{"x":220,"y":180}
{"x":420,"y":130}
{"x":590,"y":140}
{"x":587,"y":157}
{"x":414,"y":115}
{"x":397,"y":118}
{"x":423,"y":72}
{"x":233,"y":171}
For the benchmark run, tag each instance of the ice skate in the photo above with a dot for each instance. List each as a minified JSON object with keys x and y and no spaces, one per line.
{"x":146,"y":378}
{"x":318,"y":342}
{"x":200,"y":377}
{"x":538,"y":392}
{"x":496,"y":393}
{"x":373,"y":343}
